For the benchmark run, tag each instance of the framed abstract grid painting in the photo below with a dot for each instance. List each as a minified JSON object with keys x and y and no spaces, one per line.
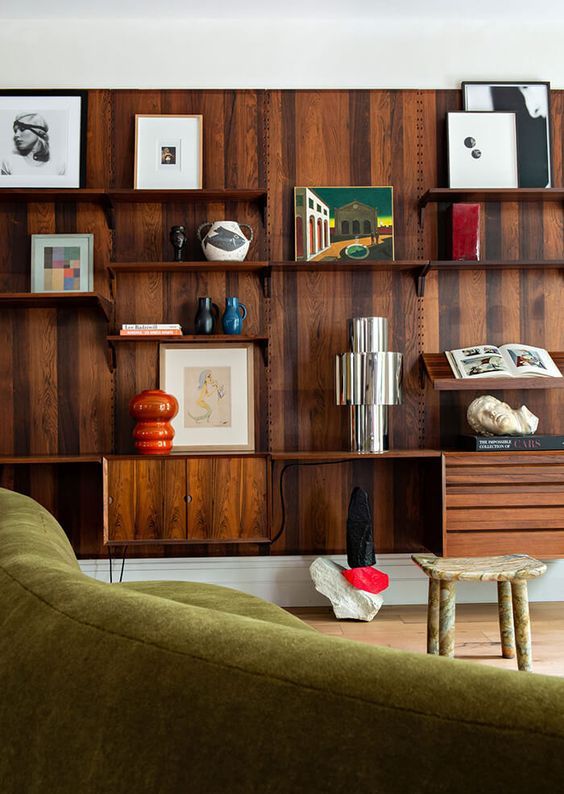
{"x":62,"y":262}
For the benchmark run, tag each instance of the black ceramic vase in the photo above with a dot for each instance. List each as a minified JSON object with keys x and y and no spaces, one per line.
{"x":205,"y":319}
{"x":178,"y":239}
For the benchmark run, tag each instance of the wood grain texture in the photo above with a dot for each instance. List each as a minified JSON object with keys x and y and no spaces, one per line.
{"x":228,"y":499}
{"x":58,"y":395}
{"x":145,"y":500}
{"x":497,"y":500}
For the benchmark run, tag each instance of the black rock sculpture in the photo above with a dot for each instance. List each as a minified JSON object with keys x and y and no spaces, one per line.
{"x":360,"y":546}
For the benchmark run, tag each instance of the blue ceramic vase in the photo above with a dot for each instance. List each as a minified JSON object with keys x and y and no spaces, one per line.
{"x":232,"y":318}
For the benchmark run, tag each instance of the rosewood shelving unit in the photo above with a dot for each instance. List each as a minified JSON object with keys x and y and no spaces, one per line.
{"x":57,"y":300}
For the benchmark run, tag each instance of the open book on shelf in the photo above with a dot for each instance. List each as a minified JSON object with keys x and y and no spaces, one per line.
{"x":508,"y":361}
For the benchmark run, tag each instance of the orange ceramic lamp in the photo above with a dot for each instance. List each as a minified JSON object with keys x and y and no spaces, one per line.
{"x":153,"y":409}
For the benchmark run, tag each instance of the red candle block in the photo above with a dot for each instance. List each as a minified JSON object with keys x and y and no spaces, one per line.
{"x":153,"y":409}
{"x":465,"y":232}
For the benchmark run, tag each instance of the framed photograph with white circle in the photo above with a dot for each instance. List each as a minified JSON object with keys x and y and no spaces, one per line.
{"x":168,"y":152}
{"x":42,"y":139}
{"x":482,"y":150}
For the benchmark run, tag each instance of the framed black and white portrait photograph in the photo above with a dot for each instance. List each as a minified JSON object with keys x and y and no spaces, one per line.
{"x":42,"y":138}
{"x":168,"y":152}
{"x":531,"y":104}
{"x":482,"y":150}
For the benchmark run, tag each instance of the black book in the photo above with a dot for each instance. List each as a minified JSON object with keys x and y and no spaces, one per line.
{"x":511,"y":443}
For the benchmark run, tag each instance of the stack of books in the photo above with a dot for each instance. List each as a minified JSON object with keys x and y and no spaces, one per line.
{"x":150,"y":329}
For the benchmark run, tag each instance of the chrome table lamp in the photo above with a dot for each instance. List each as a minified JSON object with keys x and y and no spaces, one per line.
{"x":368,"y":380}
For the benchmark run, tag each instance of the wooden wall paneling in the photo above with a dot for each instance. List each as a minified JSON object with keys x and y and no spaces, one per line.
{"x":99,"y":153}
{"x":73,"y":494}
{"x":8,"y":430}
{"x":14,"y":251}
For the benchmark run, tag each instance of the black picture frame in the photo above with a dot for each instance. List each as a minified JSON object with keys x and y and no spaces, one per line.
{"x":83,"y":96}
{"x":533,"y":126}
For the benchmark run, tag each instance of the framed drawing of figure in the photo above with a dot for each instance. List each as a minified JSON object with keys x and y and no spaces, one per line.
{"x":214,"y":388}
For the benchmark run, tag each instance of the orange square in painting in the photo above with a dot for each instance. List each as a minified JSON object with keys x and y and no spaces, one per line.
{"x":69,"y":272}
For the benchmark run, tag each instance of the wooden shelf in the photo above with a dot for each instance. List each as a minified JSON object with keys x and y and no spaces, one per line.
{"x":94,"y":194}
{"x":496,"y":264}
{"x":482,"y":264}
{"x":440,"y":374}
{"x":449,"y":195}
{"x":12,"y":460}
{"x":347,"y":456}
{"x":386,"y":265}
{"x":204,"y":338}
{"x":56,"y":300}
{"x":109,"y":197}
{"x":186,"y":267}
{"x":194,"y":195}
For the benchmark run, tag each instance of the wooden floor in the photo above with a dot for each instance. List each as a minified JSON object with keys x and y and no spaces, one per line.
{"x":477,"y":632}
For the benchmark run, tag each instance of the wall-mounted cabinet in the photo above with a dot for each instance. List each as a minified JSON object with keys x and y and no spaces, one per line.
{"x":182,"y":500}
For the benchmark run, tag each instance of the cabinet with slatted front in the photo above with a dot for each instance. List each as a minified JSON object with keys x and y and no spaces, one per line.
{"x":503,"y":503}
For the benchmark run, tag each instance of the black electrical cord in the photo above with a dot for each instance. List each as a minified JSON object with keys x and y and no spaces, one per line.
{"x":282,"y":502}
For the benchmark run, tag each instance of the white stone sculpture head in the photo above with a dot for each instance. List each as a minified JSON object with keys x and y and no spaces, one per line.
{"x":488,"y":416}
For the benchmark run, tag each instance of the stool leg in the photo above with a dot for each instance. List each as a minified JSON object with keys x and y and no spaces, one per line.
{"x":433,"y":616}
{"x":446,"y":619}
{"x":522,"y":624}
{"x":506,"y":620}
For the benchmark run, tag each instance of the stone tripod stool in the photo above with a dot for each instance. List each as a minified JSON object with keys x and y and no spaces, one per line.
{"x":510,"y":572}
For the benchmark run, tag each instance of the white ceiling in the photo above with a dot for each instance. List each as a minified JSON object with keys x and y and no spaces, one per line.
{"x":169,"y":10}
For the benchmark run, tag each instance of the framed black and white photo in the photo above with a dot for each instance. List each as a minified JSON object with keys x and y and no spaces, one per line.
{"x":62,"y":262}
{"x":168,"y":152}
{"x":42,"y":138}
{"x":531,"y":104}
{"x":482,"y":150}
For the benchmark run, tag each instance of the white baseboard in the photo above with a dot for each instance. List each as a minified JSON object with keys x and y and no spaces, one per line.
{"x":286,"y":580}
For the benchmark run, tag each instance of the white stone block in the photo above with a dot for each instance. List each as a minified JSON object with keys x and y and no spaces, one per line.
{"x":347,"y":601}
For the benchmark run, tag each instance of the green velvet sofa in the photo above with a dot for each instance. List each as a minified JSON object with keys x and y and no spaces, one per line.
{"x":158,"y":688}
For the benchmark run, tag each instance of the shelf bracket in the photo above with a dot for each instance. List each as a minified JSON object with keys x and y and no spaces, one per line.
{"x":112,"y":283}
{"x":420,"y":279}
{"x":265,"y":278}
{"x":109,"y":212}
{"x":265,"y":353}
{"x":111,"y":356}
{"x":421,"y":212}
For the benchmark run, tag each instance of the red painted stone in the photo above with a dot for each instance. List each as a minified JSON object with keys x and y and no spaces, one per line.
{"x":367,"y":578}
{"x":153,"y":409}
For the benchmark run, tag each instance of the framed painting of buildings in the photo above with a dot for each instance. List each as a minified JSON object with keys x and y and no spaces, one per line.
{"x":333,"y":224}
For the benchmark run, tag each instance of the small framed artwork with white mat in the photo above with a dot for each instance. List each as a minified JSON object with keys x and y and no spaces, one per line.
{"x":482,"y":150}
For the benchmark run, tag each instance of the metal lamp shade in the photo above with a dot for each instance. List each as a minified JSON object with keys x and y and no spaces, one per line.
{"x":369,"y":378}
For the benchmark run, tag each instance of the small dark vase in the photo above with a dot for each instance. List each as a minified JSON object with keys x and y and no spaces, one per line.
{"x":205,"y":319}
{"x":178,"y":239}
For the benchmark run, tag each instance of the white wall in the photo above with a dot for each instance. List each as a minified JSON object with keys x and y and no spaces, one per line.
{"x":286,"y":580}
{"x":269,"y":53}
